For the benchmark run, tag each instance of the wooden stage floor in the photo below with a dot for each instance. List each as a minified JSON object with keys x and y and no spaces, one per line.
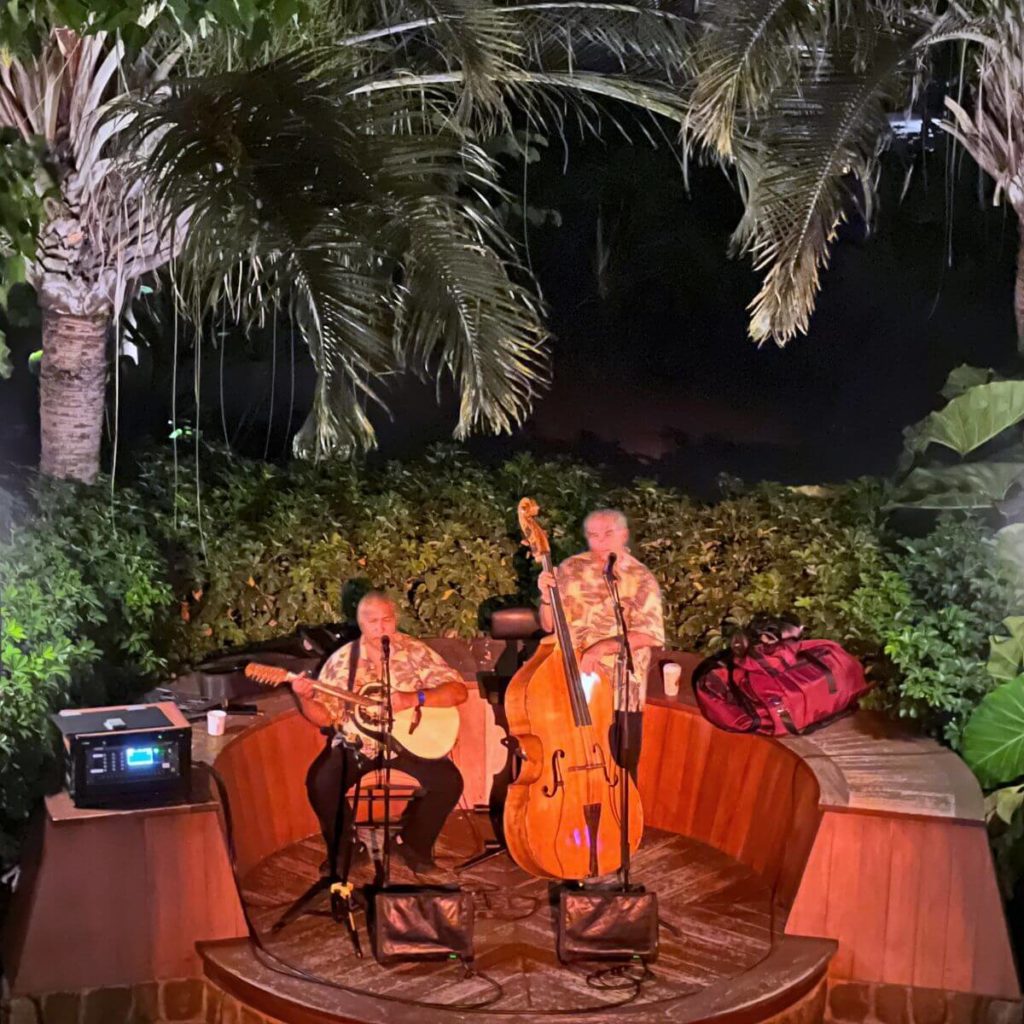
{"x":717,"y":925}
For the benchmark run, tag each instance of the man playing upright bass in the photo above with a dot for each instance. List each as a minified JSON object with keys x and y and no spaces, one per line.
{"x":591,"y":614}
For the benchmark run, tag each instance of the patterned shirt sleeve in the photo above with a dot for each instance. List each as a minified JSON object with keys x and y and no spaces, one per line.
{"x":647,"y":615}
{"x":430,"y":669}
{"x":334,"y":670}
{"x":334,"y":673}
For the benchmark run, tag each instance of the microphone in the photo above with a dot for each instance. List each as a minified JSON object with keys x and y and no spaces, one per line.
{"x":385,"y":645}
{"x":610,"y":565}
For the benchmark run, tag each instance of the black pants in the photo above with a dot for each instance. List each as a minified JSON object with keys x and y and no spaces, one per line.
{"x":336,"y":769}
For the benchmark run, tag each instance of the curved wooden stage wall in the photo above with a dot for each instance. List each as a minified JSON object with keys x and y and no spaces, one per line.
{"x":870,"y":835}
{"x":743,"y":795}
{"x":264,"y":772}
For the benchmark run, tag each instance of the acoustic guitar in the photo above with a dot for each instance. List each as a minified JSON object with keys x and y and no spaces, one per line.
{"x":428,"y":733}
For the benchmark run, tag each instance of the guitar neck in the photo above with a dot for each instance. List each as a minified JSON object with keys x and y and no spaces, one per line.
{"x":345,"y":695}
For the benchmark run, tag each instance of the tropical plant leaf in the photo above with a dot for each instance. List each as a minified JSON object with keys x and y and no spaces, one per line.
{"x":1004,"y":803}
{"x":972,"y":485}
{"x":970,"y":419}
{"x":994,"y":735}
{"x":355,"y":208}
{"x":963,"y":378}
{"x":1004,"y":659}
{"x":992,"y":130}
{"x":748,"y":50}
{"x":460,"y":309}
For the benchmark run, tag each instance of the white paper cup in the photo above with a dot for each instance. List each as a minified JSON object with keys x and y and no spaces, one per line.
{"x":215,"y":722}
{"x":670,"y":674}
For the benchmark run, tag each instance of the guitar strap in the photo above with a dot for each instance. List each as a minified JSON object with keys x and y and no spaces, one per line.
{"x":353,"y":664}
{"x":335,"y":736}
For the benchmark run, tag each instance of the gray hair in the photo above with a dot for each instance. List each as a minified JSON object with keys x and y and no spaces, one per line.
{"x":374,"y":597}
{"x":607,"y":513}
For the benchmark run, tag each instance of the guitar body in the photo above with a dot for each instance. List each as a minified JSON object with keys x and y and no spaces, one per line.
{"x":429,"y":733}
{"x":562,"y":813}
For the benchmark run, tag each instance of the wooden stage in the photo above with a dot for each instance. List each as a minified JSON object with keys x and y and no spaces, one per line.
{"x":855,"y":858}
{"x":719,"y":932}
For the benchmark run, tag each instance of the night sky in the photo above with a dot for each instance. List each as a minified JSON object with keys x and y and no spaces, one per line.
{"x":653,"y":372}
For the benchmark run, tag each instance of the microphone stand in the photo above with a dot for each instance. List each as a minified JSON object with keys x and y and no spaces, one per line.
{"x":623,"y":670}
{"x":385,"y":767}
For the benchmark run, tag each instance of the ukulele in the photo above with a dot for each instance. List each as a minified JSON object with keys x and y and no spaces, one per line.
{"x":429,"y":733}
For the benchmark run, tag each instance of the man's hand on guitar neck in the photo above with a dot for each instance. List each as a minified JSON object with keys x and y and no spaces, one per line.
{"x":311,"y":708}
{"x":303,"y":687}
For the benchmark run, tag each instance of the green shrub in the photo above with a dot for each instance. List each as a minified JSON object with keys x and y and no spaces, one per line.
{"x":83,"y":604}
{"x":100,"y":593}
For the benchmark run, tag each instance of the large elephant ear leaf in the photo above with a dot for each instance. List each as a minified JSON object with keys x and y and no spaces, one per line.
{"x":962,"y":378}
{"x":972,"y":485}
{"x":971,"y":419}
{"x":994,"y":736}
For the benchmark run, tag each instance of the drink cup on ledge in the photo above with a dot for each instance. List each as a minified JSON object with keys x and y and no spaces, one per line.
{"x":216,"y":720}
{"x":670,"y":675}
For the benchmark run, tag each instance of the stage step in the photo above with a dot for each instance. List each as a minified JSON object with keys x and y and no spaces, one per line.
{"x":783,"y":987}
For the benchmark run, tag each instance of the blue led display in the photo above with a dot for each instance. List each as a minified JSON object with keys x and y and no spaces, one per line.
{"x":140,"y":757}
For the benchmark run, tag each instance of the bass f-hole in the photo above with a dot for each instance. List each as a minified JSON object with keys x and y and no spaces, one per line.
{"x":557,"y":782}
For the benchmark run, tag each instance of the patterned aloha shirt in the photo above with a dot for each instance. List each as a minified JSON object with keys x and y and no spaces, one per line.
{"x":414,"y":666}
{"x":591,"y":614}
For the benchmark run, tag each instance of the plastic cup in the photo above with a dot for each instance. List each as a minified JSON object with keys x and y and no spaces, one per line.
{"x":216,"y":720}
{"x":670,"y":675}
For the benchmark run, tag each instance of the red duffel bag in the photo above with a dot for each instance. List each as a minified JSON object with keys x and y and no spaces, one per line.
{"x":779,"y":689}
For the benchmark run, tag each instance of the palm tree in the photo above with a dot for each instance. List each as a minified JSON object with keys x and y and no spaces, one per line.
{"x":96,"y":236}
{"x":796,"y":98}
{"x":371,"y":218}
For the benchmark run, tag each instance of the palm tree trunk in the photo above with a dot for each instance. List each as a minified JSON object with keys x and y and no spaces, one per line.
{"x":72,"y":387}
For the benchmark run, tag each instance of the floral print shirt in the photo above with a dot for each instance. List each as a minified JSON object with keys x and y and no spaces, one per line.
{"x":414,"y":666}
{"x":591,"y":614}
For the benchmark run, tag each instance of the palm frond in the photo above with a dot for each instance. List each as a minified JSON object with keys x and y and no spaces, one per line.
{"x":643,"y":42}
{"x":461,"y":311}
{"x":748,"y":50}
{"x":484,"y":52}
{"x":368,"y":215}
{"x":992,"y":131}
{"x":815,"y":152}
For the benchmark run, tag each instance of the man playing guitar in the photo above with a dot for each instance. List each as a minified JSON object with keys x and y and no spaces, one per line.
{"x":419,"y":678}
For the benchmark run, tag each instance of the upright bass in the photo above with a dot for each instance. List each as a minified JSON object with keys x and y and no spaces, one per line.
{"x":563,"y":811}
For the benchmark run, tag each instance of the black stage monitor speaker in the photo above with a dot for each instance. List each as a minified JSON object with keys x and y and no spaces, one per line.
{"x":607,"y":925}
{"x":419,"y":923}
